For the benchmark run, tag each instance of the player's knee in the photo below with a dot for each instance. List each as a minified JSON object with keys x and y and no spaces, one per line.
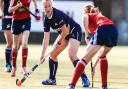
{"x":15,"y":49}
{"x":24,"y":45}
{"x":102,"y":55}
{"x":9,"y":45}
{"x":53,"y":56}
{"x":102,"y":58}
{"x":72,"y":56}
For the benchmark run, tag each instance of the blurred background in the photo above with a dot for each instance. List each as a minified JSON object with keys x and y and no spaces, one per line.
{"x":117,"y":10}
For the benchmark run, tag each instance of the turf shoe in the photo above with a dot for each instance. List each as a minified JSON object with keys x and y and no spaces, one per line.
{"x":13,"y":72}
{"x":24,"y":71}
{"x":70,"y":86}
{"x":104,"y":87}
{"x":8,"y":68}
{"x":49,"y":82}
{"x":85,"y":81}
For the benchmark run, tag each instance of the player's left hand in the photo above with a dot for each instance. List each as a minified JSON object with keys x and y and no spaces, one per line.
{"x":42,"y":59}
{"x":93,"y":72}
{"x":37,"y":13}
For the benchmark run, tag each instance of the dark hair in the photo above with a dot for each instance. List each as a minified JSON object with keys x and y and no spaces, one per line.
{"x":98,"y":4}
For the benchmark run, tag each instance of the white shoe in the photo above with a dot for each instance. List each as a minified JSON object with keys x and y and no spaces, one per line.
{"x":24,"y":71}
{"x":13,"y":72}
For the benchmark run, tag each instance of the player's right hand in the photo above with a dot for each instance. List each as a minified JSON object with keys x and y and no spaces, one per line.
{"x":1,"y":15}
{"x":93,"y":72}
{"x":42,"y":59}
{"x":19,"y":4}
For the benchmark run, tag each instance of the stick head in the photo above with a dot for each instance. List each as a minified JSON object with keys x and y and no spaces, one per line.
{"x":18,"y":82}
{"x":37,"y":17}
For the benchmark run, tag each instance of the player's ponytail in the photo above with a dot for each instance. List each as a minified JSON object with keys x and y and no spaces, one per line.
{"x":89,"y":9}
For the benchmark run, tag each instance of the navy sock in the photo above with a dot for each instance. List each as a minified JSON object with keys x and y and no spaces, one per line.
{"x":75,"y":63}
{"x":53,"y":68}
{"x":8,"y":57}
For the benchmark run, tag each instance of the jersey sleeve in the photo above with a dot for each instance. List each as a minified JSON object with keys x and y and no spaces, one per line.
{"x":46,"y":25}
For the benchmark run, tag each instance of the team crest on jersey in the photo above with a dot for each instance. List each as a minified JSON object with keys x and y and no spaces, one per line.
{"x":23,"y":27}
{"x":8,"y":26}
{"x":56,"y":24}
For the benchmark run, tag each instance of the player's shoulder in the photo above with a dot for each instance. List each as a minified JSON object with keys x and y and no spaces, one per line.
{"x":58,"y":12}
{"x":85,"y":15}
{"x":92,"y":14}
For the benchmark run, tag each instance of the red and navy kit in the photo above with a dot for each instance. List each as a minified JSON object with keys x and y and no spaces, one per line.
{"x":21,"y":13}
{"x":58,"y":19}
{"x":21,"y":17}
{"x":105,"y":32}
{"x":6,"y":22}
{"x":96,"y":20}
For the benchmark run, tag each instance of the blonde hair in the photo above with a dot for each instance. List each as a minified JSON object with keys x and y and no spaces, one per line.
{"x":91,"y":9}
{"x":44,"y":1}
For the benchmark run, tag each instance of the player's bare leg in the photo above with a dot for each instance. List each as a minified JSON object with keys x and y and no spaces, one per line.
{"x":25,"y":37}
{"x":8,"y":50}
{"x":104,"y":66}
{"x":73,"y":49}
{"x":53,"y":62}
{"x":16,"y":40}
{"x":92,"y":50}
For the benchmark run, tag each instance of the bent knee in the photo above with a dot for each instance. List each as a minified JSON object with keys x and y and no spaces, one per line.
{"x":25,"y":45}
{"x":15,"y":49}
{"x":53,"y":56}
{"x":72,"y":56}
{"x":9,"y":45}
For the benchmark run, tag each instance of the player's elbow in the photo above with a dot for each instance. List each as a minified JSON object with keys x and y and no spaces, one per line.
{"x":9,"y":10}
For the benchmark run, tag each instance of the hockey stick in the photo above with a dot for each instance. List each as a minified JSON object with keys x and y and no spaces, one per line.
{"x":6,"y":17}
{"x":91,"y":67}
{"x":37,"y":17}
{"x":92,"y":75}
{"x":19,"y":82}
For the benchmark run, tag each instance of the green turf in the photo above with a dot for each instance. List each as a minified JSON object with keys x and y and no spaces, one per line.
{"x":117,"y":76}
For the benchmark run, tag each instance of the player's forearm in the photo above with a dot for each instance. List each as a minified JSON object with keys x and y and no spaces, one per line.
{"x":35,"y":4}
{"x":45,"y":43}
{"x":14,"y":8}
{"x":96,"y":62}
{"x":1,"y":7}
{"x":62,"y":37}
{"x":85,"y":24}
{"x":64,"y":33}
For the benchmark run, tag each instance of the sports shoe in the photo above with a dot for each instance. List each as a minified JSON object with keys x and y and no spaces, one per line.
{"x":8,"y":68}
{"x":104,"y":87}
{"x":85,"y":81}
{"x":24,"y":71}
{"x":13,"y":72}
{"x":49,"y":82}
{"x":70,"y":86}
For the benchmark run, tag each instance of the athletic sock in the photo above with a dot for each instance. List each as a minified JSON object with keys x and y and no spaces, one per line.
{"x":104,"y":70}
{"x":8,"y":58}
{"x":52,"y":68}
{"x":75,"y":63}
{"x":24,"y":56}
{"x":79,"y":69}
{"x":14,"y":57}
